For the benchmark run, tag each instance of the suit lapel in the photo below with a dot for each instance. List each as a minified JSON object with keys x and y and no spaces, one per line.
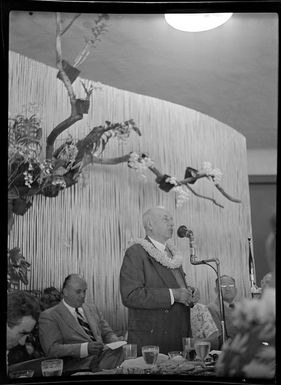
{"x":92,"y":321}
{"x":71,"y":321}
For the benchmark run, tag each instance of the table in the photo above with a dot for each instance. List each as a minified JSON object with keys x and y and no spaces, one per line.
{"x":76,"y":366}
{"x":70,"y":365}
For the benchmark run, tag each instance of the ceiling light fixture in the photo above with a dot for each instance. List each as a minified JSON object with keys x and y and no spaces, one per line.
{"x":196,"y":22}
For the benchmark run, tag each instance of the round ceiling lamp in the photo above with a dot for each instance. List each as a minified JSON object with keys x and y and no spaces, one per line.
{"x":196,"y":22}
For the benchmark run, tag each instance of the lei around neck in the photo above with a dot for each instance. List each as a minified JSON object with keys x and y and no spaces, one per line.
{"x":159,"y":256}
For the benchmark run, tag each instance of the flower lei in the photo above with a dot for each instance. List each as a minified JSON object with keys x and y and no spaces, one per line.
{"x":160,"y":256}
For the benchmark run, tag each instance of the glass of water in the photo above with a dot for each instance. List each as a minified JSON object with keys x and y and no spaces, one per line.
{"x":150,"y":354}
{"x":202,"y":349}
{"x":52,"y":367}
{"x":188,"y":348}
{"x":129,"y":351}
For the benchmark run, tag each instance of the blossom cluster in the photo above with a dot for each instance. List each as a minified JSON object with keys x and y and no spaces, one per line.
{"x":140,"y":163}
{"x":214,"y":173}
{"x":182,"y":194}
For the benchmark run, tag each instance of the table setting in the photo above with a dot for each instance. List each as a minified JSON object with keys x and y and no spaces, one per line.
{"x":201,"y":362}
{"x":194,"y":359}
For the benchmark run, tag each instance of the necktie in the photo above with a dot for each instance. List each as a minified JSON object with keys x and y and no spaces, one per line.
{"x":232,"y":306}
{"x":168,"y":252}
{"x":84,"y":324}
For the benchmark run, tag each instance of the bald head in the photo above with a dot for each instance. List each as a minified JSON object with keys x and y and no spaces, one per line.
{"x":158,"y":224}
{"x":74,"y":290}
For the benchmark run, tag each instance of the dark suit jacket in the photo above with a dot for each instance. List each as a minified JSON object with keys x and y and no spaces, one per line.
{"x":152,"y":320}
{"x":61,"y":335}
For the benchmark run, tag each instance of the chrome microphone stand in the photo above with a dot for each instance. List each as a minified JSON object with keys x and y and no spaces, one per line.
{"x":216,"y":260}
{"x":194,"y":261}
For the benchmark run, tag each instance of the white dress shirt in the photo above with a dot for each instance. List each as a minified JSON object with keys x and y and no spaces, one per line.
{"x":84,"y":345}
{"x":161,"y":247}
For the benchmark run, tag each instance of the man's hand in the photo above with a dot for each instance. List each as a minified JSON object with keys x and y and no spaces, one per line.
{"x":95,"y":348}
{"x":183,"y":295}
{"x":195,"y":294}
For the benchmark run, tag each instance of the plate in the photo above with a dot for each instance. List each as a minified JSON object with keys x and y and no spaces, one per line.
{"x":140,"y":363}
{"x":175,"y":367}
{"x":82,"y":374}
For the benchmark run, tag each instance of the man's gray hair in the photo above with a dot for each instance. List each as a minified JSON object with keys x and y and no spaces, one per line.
{"x":147,"y":215}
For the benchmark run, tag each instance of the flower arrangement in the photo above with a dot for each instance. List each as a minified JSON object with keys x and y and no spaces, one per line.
{"x":28,"y":174}
{"x":251,"y":353}
{"x":17,"y":268}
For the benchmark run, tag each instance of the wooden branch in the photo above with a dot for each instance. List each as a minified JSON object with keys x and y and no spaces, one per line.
{"x":158,"y":174}
{"x":86,"y":144}
{"x":65,"y":78}
{"x":192,"y":179}
{"x":70,"y":23}
{"x":120,"y":159}
{"x":202,"y":196}
{"x":226,"y":194}
{"x":186,"y":182}
{"x":74,"y":116}
{"x":181,"y":182}
{"x":58,"y":130}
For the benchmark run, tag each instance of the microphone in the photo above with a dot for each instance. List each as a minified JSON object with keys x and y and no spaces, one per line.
{"x":183,"y":232}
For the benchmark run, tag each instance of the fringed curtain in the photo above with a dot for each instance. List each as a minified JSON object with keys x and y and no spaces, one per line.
{"x":86,"y":229}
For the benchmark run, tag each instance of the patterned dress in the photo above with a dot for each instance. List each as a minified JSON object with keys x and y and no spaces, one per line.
{"x":202,"y":323}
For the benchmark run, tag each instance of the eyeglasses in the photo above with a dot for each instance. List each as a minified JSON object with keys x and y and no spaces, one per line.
{"x":224,"y":286}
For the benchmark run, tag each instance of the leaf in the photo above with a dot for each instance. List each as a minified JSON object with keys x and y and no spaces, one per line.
{"x":60,"y":171}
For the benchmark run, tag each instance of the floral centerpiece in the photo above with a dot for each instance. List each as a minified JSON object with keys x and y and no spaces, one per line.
{"x":251,"y":354}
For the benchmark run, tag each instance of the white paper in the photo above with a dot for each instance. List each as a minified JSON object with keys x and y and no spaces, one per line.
{"x":116,"y":344}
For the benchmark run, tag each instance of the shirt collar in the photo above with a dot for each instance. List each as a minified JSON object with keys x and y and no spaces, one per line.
{"x":158,"y":245}
{"x":71,"y":308}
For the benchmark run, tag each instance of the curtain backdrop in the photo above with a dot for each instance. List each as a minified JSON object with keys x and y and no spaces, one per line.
{"x":86,"y":229}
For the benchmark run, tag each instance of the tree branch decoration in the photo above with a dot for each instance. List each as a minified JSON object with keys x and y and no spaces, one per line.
{"x":28,"y":175}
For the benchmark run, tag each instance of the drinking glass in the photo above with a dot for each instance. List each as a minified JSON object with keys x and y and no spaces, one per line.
{"x":21,"y":374}
{"x":188,"y":348}
{"x":129,"y":351}
{"x":202,"y":349}
{"x":150,"y":354}
{"x":52,"y":367}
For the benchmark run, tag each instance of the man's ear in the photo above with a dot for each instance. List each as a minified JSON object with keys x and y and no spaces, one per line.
{"x":149,"y":224}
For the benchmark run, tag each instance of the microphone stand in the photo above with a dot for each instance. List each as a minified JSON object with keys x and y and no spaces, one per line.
{"x":217,"y":270}
{"x":193,"y":261}
{"x":220,"y":301}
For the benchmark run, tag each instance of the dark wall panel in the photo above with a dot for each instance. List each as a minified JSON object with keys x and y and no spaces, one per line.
{"x":263,"y":205}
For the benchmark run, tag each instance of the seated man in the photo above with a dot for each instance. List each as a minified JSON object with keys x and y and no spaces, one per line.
{"x":267,"y":281}
{"x":78,"y":330}
{"x":22,"y":313}
{"x":50,"y":297}
{"x":229,"y":292}
{"x":203,"y":326}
